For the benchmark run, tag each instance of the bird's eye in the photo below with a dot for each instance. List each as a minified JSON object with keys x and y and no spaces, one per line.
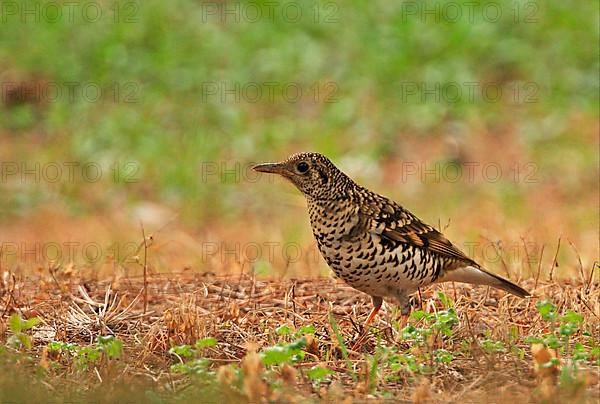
{"x":302,"y":167}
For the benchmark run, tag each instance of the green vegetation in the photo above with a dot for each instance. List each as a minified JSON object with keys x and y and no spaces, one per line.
{"x":562,"y":328}
{"x":20,"y":339}
{"x":156,"y":65}
{"x":86,"y":358}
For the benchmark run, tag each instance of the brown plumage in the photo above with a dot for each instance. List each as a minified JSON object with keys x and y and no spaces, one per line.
{"x":373,"y":243}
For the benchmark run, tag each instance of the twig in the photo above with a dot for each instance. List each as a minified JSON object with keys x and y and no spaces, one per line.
{"x":499,"y":250}
{"x":589,"y":283}
{"x":11,"y":295}
{"x":581,"y":271}
{"x":554,"y":260}
{"x":294,"y":301}
{"x":98,"y":374}
{"x":145,"y":269}
{"x":537,"y":276}
{"x":527,"y":256}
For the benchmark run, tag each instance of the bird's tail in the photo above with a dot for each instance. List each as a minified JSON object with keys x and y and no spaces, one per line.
{"x":479,"y":276}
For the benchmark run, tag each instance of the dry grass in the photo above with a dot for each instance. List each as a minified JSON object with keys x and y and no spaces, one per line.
{"x":243,"y":312}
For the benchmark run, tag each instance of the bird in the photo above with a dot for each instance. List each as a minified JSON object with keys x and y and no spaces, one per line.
{"x":371,"y":242}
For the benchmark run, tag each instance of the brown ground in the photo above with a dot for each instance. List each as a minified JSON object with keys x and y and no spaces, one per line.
{"x":242,"y":312}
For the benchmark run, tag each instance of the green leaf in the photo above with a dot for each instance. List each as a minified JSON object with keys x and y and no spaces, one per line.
{"x":373,"y":373}
{"x":443,"y":356}
{"x":579,"y":352}
{"x":276,"y":355}
{"x":410,"y":363}
{"x":114,"y":349}
{"x":492,"y":346}
{"x":88,"y":355}
{"x":409,"y":331}
{"x":342,"y":345}
{"x":568,"y":329}
{"x":547,"y":310}
{"x":56,"y":346}
{"x":446,"y":301}
{"x":534,"y":340}
{"x":283,"y":329}
{"x":513,"y":333}
{"x":185,"y":351}
{"x":445,"y":320}
{"x":571,"y":317}
{"x":318,"y":373}
{"x":307,"y":329}
{"x":279,"y":354}
{"x":93,"y":354}
{"x":518,"y":351}
{"x":25,"y":340}
{"x":110,"y":345}
{"x":195,"y":367}
{"x":418,"y":315}
{"x":30,"y":323}
{"x":104,"y":339}
{"x":15,"y":324}
{"x":206,"y":342}
{"x":297,"y":345}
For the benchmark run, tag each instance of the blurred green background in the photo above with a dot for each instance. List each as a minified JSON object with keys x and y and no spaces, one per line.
{"x":378,"y":85}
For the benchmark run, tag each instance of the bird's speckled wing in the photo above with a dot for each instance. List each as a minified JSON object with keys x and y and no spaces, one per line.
{"x":393,"y":222}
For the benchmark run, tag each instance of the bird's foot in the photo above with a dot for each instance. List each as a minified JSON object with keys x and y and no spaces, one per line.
{"x":377,"y":302}
{"x":360,"y":340}
{"x":403,"y":321}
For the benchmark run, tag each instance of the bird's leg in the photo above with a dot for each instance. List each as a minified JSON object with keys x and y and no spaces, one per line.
{"x":377,"y":302}
{"x":403,"y":321}
{"x":405,"y":307}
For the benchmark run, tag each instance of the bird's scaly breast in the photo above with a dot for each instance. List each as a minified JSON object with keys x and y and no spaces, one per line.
{"x":360,"y":258}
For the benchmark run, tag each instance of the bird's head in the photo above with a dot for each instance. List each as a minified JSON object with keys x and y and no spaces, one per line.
{"x":312,"y":173}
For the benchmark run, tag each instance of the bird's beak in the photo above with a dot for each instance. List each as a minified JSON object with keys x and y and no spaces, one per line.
{"x":272,"y":168}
